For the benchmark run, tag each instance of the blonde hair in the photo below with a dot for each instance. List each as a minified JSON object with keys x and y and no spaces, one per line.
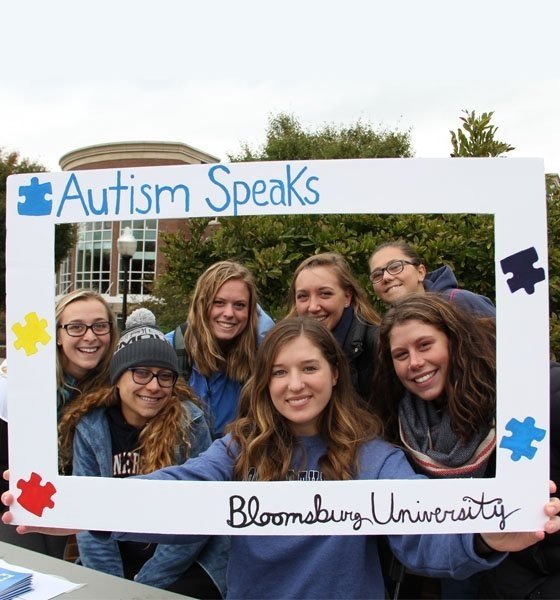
{"x":266,"y":443}
{"x":99,"y":376}
{"x":158,"y":438}
{"x":340,"y":267}
{"x":200,"y":343}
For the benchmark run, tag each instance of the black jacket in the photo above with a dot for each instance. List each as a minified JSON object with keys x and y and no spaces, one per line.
{"x":360,"y":348}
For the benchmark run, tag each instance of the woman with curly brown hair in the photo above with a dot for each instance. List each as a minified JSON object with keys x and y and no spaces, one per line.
{"x":143,"y":421}
{"x":435,"y":392}
{"x":435,"y":386}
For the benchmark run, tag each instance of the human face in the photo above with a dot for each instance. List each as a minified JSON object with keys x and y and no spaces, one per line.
{"x":319,"y":295}
{"x":301,"y":385}
{"x":142,"y":402}
{"x":392,"y":287}
{"x":229,"y":311}
{"x":82,"y":354}
{"x":420,"y":355}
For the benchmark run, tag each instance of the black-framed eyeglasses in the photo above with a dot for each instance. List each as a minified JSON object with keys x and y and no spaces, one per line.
{"x":79,"y":329}
{"x":393,"y":268}
{"x":141,"y":376}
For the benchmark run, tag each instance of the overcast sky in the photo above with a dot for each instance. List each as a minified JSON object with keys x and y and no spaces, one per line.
{"x":210,"y":73}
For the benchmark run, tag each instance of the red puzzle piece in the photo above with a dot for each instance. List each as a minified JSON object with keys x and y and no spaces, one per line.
{"x":35,"y":497}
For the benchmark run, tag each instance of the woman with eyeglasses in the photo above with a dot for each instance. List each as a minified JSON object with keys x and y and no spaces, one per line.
{"x":324,"y":288}
{"x":397,"y":270}
{"x":86,"y":333}
{"x":142,"y":421}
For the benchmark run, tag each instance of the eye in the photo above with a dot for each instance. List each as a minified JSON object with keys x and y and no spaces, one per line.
{"x":400,"y":356}
{"x":326,"y":294}
{"x":310,"y":369}
{"x":301,"y":296}
{"x":142,"y":373}
{"x":278,"y":372}
{"x":240,"y":306}
{"x":218,"y":302}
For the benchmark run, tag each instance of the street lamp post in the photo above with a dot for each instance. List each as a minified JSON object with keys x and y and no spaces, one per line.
{"x":126,"y":245}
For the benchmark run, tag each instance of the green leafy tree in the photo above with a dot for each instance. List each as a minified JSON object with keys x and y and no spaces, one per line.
{"x":287,"y":139}
{"x":477,"y":137}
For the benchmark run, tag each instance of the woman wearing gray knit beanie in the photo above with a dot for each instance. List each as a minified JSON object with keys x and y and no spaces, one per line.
{"x":143,"y":421}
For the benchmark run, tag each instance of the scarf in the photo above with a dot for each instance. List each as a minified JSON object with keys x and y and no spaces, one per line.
{"x":433,"y":446}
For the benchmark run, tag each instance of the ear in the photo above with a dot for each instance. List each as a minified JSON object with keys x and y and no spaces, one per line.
{"x":348,"y":296}
{"x":421,"y":272}
{"x":335,"y":377}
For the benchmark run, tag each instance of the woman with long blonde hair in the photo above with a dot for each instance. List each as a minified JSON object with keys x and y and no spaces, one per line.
{"x":220,"y":340}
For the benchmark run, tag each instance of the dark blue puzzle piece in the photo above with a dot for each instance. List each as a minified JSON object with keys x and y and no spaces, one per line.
{"x":521,"y":438}
{"x":35,"y":203}
{"x":524,"y":274}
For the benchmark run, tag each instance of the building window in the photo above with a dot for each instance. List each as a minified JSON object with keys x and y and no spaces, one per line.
{"x":143,"y":264}
{"x":64,"y":277}
{"x":93,"y":257}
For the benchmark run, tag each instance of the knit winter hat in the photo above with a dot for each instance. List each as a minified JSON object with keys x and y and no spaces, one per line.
{"x":142,"y":345}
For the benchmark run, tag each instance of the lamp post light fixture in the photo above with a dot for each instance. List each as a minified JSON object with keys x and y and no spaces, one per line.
{"x":126,"y":245}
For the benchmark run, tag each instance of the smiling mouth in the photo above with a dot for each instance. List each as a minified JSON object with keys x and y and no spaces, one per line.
{"x":226,"y":324}
{"x":424,"y":378}
{"x":88,"y":350}
{"x":298,"y":401}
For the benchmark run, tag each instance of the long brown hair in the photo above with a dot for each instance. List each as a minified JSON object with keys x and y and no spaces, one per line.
{"x":264,"y":436}
{"x":99,"y":376}
{"x":158,"y":438}
{"x":470,"y":389}
{"x":201,"y":345}
{"x":340,"y":267}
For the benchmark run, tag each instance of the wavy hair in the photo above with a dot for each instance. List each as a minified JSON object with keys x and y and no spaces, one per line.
{"x":340,"y":267}
{"x":470,"y":389}
{"x":158,"y":438}
{"x":99,"y":376}
{"x":201,"y":345}
{"x":263,"y":435}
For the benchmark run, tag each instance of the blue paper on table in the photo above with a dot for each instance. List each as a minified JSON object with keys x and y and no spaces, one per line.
{"x":14,"y":583}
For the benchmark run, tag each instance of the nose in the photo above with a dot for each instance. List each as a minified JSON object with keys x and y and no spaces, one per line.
{"x":415,"y":360}
{"x":228,"y":310}
{"x":153,"y":385}
{"x":89,"y":336}
{"x":295,"y":384}
{"x":314,"y":305}
{"x":387,"y":276}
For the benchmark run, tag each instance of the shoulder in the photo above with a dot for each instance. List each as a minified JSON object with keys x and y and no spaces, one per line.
{"x":194,"y":411}
{"x":381,"y":460}
{"x":363,"y":332}
{"x":93,"y":419}
{"x":472,"y":302}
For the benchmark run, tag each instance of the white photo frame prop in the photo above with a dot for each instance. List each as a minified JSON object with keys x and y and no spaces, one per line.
{"x":513,"y":190}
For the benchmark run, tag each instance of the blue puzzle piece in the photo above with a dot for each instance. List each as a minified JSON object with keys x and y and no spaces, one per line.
{"x":521,"y":438}
{"x":35,"y":203}
{"x":524,"y":274}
